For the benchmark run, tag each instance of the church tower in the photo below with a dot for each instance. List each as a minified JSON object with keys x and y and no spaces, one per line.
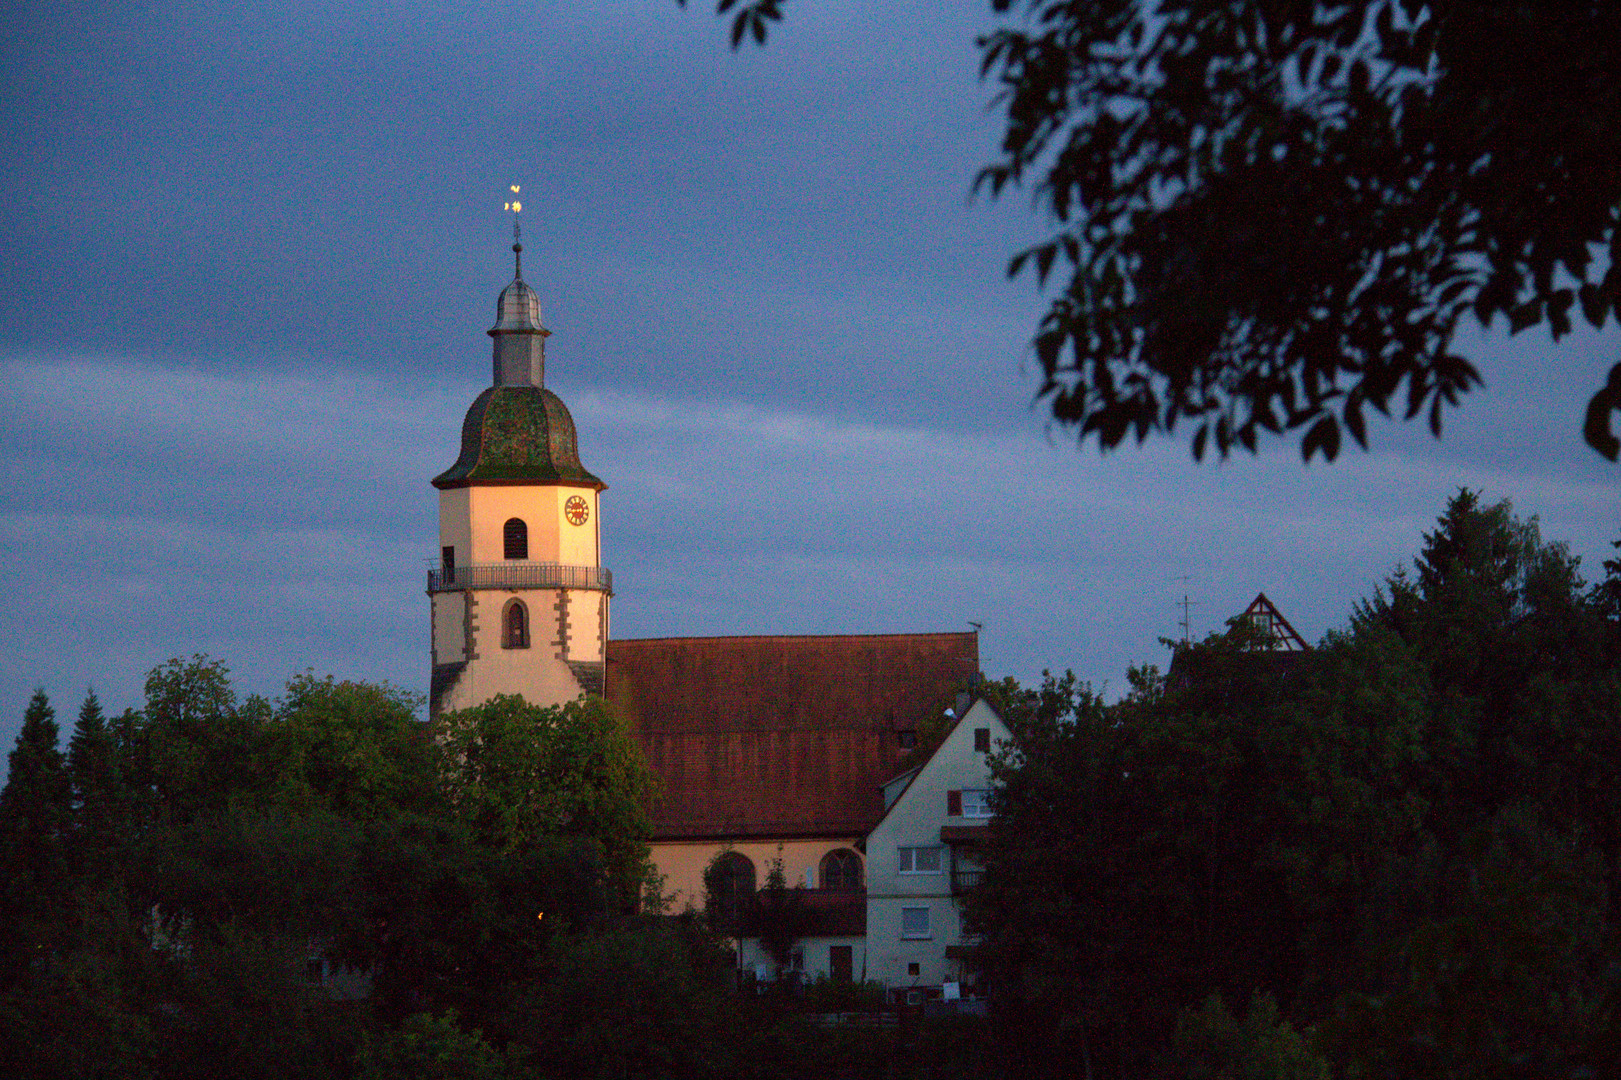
{"x":520,"y":597}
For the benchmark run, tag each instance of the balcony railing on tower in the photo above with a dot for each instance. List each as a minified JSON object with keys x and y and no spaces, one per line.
{"x":520,"y":575}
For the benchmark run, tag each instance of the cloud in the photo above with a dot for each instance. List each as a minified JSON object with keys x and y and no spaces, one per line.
{"x":280,"y":521}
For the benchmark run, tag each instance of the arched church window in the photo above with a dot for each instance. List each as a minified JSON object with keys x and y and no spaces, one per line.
{"x":515,"y":539}
{"x":728,"y":889}
{"x":841,"y":869}
{"x":515,"y":626}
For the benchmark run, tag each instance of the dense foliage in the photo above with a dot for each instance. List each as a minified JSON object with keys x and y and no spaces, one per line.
{"x":517,"y":773}
{"x":226,"y":887}
{"x":1398,"y":855}
{"x":326,"y":887}
{"x":1275,"y":214}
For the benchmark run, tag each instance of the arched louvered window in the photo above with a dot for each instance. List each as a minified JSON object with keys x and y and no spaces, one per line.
{"x":515,"y":539}
{"x":841,"y":869}
{"x":515,"y":626}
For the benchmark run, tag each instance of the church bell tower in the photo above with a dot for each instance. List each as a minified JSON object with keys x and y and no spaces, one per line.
{"x":520,"y":597}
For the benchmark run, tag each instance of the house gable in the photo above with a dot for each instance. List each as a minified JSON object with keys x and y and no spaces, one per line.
{"x":923,"y":852}
{"x":922,"y":808}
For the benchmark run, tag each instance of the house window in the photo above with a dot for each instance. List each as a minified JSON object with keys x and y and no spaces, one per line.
{"x":515,"y":626}
{"x":841,"y":870}
{"x":447,"y":563}
{"x":976,"y":802}
{"x":914,"y":969}
{"x":982,"y":740}
{"x":920,"y":860}
{"x":915,"y":923}
{"x":515,"y":539}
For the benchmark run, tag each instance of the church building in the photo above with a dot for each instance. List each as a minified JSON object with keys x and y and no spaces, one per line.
{"x":766,"y":748}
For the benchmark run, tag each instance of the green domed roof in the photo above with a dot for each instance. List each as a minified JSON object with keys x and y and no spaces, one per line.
{"x":518,"y":434}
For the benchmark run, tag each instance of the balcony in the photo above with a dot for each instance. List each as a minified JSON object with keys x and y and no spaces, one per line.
{"x":963,"y":880}
{"x":520,"y":575}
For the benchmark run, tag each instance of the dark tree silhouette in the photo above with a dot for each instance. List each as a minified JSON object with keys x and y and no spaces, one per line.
{"x":1275,"y":214}
{"x":35,"y":814}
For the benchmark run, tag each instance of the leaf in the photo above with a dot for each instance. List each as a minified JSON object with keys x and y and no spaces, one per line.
{"x":1559,"y":312}
{"x":1595,"y":305}
{"x":1523,"y":315}
{"x":1048,"y":343}
{"x":1596,"y":429}
{"x":1322,"y":438}
{"x":1452,"y":292}
{"x":1044,"y":261}
{"x":1354,"y":422}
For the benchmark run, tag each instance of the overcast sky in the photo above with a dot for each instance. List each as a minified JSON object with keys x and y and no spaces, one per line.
{"x":251,"y":251}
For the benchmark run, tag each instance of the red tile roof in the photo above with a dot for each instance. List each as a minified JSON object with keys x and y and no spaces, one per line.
{"x":779,"y":736}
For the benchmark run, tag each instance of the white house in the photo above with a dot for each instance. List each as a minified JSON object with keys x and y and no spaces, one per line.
{"x":924,"y":854}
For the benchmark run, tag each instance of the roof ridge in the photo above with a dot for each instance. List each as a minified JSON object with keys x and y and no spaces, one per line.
{"x":796,"y":637}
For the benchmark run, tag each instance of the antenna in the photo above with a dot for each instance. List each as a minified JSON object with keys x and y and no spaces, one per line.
{"x":517,"y":232}
{"x":1185,"y":604}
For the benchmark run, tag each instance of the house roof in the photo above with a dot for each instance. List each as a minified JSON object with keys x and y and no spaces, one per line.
{"x":1274,"y":651}
{"x":778,"y":736}
{"x":1264,"y":616}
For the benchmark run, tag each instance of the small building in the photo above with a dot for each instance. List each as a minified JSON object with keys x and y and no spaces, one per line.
{"x":924,"y":854}
{"x":1270,"y":653}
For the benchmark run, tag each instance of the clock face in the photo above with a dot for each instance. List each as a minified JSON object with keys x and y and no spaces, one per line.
{"x":576,"y":510}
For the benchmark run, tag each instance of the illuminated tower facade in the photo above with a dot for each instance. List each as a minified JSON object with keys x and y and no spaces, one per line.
{"x":519,"y":597}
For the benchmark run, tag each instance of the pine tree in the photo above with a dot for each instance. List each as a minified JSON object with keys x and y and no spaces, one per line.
{"x":35,"y":802}
{"x":35,"y":812}
{"x":94,"y":773}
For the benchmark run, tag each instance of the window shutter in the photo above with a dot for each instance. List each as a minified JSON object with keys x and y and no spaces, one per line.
{"x":954,"y":804}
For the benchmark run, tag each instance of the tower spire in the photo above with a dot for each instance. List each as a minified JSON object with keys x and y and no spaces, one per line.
{"x":517,"y":234}
{"x":520,"y":598}
{"x":520,"y":339}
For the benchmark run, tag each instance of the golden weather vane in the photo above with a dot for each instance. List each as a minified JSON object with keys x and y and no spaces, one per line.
{"x":517,"y":229}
